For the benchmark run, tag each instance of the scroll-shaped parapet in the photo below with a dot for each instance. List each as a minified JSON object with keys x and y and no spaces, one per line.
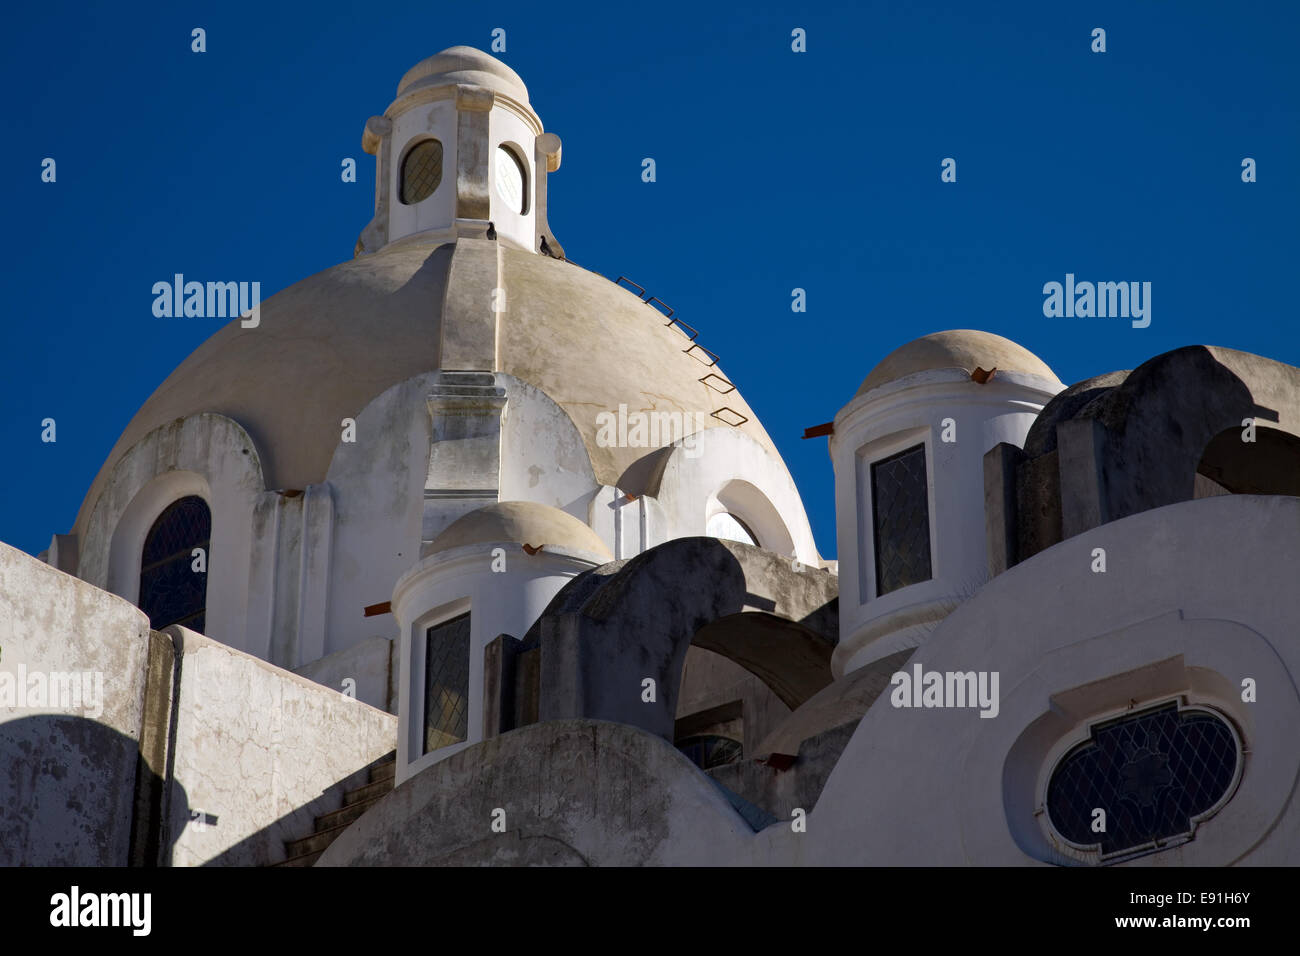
{"x":460,"y":152}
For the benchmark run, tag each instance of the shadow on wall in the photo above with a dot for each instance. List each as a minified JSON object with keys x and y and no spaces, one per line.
{"x":612,"y":643}
{"x":1123,"y":443}
{"x":78,"y":793}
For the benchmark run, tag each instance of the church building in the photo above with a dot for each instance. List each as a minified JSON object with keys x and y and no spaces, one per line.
{"x":462,"y":553}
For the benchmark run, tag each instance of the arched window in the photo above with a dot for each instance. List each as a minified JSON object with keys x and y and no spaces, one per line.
{"x":173,"y":579}
{"x":512,"y":180}
{"x":446,"y":683}
{"x":421,"y":171}
{"x":728,"y":526}
{"x":900,"y":511}
{"x":1149,"y":778}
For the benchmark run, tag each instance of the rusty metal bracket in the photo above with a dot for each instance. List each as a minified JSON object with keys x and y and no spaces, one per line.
{"x":682,"y":325}
{"x":691,"y":352}
{"x":653,"y":299}
{"x":718,"y":387}
{"x":724,"y":408}
{"x":640,"y":292}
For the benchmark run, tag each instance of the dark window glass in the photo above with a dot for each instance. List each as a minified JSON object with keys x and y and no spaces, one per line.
{"x":421,"y":171}
{"x":709,"y":750}
{"x":171,"y":591}
{"x":446,"y":683}
{"x":901,"y":512}
{"x":1151,"y":773}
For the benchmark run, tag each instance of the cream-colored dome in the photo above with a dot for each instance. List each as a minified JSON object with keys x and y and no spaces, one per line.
{"x":958,"y":348}
{"x":463,"y":65}
{"x":519,"y":522}
{"x":330,"y":344}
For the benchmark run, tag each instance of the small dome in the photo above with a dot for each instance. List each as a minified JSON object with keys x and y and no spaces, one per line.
{"x":464,"y":64}
{"x":519,"y":522}
{"x":959,"y":348}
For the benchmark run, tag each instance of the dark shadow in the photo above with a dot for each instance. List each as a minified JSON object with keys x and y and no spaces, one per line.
{"x":76,"y":792}
{"x":1270,"y":465}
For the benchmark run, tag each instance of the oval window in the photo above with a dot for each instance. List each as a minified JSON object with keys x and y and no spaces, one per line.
{"x":1151,"y":777}
{"x":421,"y":172}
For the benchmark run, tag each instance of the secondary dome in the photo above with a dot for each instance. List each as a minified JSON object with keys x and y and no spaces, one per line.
{"x":520,"y":522}
{"x":958,"y":348}
{"x":463,"y":65}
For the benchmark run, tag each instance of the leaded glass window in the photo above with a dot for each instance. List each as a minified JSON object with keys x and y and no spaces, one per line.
{"x":171,"y":590}
{"x":421,"y":171}
{"x":1151,"y":773}
{"x":446,"y":683}
{"x":901,"y":514}
{"x":707,"y":751}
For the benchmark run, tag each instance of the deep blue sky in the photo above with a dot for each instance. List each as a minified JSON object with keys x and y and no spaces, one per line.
{"x":775,"y":170}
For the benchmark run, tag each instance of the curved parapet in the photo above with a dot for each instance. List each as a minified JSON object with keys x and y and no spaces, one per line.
{"x":615,"y":628}
{"x":572,"y":793}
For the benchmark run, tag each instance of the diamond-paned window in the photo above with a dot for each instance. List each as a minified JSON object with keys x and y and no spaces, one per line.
{"x":901,"y":514}
{"x":1151,"y":773}
{"x":421,"y":171}
{"x":171,"y":591}
{"x":707,"y":751}
{"x":446,"y":683}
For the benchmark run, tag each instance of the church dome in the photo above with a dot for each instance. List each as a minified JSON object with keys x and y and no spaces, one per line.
{"x":463,"y":65}
{"x":959,"y":348}
{"x":331,"y":343}
{"x":520,"y":522}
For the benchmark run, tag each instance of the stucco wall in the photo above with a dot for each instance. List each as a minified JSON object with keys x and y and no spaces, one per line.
{"x":68,"y":774}
{"x":263,"y":751}
{"x":573,"y":793}
{"x":1209,"y":584}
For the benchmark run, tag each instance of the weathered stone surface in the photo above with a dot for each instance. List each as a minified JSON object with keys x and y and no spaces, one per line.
{"x":574,"y":792}
{"x":262,"y":750}
{"x":68,"y":773}
{"x":597,"y":651}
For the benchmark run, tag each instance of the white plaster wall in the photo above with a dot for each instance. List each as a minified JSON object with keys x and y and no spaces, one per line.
{"x":368,"y":664}
{"x":437,"y":120}
{"x":377,"y":486}
{"x":891,"y":419}
{"x":209,"y":455}
{"x":730,"y":469}
{"x":262,"y":750}
{"x":626,"y":525}
{"x":507,"y":127}
{"x":67,"y":785}
{"x":449,"y":583}
{"x":543,"y":458}
{"x":1210,"y":581}
{"x":378,"y":491}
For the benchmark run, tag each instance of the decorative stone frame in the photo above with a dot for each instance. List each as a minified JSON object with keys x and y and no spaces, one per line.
{"x":1091,"y":854}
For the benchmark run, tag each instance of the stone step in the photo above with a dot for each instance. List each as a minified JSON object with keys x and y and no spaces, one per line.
{"x":316,"y":843}
{"x":344,"y":815}
{"x":306,"y":859}
{"x":368,"y":792}
{"x":385,"y":771}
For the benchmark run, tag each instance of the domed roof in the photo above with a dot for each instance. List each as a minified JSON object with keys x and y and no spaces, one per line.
{"x":958,"y":348}
{"x":330,"y":344}
{"x":463,"y":64}
{"x":519,"y":522}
